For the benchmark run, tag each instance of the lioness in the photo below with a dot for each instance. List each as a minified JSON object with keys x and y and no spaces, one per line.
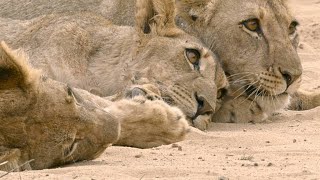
{"x":255,"y":40}
{"x":86,"y":52}
{"x":53,"y":123}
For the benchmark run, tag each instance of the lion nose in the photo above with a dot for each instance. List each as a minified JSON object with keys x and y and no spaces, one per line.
{"x":290,"y":77}
{"x":203,"y":106}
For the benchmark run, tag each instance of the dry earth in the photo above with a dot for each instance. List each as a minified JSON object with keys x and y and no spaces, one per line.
{"x":286,"y":147}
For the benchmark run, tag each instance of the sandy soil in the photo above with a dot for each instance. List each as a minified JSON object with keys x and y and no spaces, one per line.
{"x":287,"y":147}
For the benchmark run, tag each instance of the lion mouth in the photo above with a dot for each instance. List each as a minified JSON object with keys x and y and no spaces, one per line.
{"x":203,"y":106}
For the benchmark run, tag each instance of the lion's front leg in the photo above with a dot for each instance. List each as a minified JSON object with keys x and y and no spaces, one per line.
{"x":147,"y":124}
{"x":304,"y":100}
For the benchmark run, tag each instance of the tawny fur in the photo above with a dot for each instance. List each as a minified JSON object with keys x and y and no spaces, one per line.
{"x":147,"y":124}
{"x":48,"y":122}
{"x":121,"y":12}
{"x":216,"y":23}
{"x":250,"y":59}
{"x":55,"y":123}
{"x":247,"y":57}
{"x":41,"y":120}
{"x":86,"y":52}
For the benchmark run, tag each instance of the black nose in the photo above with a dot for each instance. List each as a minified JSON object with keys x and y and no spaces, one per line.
{"x":203,"y":106}
{"x":289,"y":77}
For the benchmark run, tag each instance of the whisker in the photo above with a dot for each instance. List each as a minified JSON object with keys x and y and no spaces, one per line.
{"x":249,"y":95}
{"x":276,"y":98}
{"x":239,"y":89}
{"x":256,"y":95}
{"x":250,"y":85}
{"x":237,"y":74}
{"x":239,"y":81}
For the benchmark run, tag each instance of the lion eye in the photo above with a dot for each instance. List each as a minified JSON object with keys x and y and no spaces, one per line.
{"x":221,"y":93}
{"x":293,"y":27}
{"x":193,"y":57}
{"x":252,"y":25}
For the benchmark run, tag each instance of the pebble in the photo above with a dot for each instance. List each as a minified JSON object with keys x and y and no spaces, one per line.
{"x":174,"y":145}
{"x":138,"y":156}
{"x":270,"y":164}
{"x":223,"y":178}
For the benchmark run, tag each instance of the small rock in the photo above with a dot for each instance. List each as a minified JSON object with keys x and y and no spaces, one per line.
{"x":174,"y":145}
{"x":138,"y":156}
{"x":301,"y":46}
{"x":262,"y":159}
{"x":224,"y":169}
{"x":270,"y":164}
{"x":294,"y":141}
{"x":256,"y":164}
{"x":223,"y":178}
{"x":179,"y":148}
{"x":244,"y":130}
{"x":268,"y":142}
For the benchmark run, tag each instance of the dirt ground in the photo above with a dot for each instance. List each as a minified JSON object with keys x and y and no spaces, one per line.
{"x":286,"y":147}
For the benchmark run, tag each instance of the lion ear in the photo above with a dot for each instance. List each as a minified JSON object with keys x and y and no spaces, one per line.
{"x":14,"y":70}
{"x":155,"y":16}
{"x":192,"y":10}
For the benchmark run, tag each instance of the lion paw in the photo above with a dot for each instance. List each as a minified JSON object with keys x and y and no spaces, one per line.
{"x":148,"y":124}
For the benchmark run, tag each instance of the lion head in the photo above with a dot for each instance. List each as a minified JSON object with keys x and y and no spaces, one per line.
{"x":42,"y":121}
{"x":183,"y":69}
{"x":256,"y":43}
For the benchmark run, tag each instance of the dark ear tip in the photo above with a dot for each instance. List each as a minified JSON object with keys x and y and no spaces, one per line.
{"x":194,"y":17}
{"x":70,"y":91}
{"x":5,"y":73}
{"x":147,"y":29}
